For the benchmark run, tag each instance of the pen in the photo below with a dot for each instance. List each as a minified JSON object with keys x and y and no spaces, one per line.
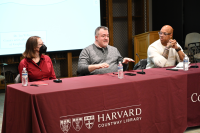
{"x":172,"y":69}
{"x":34,"y":85}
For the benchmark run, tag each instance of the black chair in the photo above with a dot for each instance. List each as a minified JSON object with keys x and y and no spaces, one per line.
{"x":140,"y":65}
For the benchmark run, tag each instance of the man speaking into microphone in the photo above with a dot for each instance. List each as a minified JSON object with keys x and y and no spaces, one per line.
{"x":165,"y":51}
{"x":100,"y":57}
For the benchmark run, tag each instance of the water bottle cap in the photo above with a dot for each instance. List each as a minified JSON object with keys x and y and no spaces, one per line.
{"x":24,"y":68}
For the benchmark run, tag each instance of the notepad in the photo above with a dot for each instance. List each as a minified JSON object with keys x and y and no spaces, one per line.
{"x":180,"y":66}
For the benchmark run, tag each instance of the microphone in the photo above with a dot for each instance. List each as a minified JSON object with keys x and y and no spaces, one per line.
{"x":57,"y":80}
{"x":142,"y":64}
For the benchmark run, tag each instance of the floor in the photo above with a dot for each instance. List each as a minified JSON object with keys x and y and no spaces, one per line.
{"x":2,"y":97}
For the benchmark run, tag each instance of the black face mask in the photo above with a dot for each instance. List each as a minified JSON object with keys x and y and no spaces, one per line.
{"x":43,"y":49}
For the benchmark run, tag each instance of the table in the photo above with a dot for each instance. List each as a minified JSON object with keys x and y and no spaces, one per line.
{"x":152,"y":103}
{"x":193,"y":96}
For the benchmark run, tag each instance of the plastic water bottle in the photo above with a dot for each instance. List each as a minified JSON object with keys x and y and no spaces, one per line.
{"x":24,"y":77}
{"x":185,"y":63}
{"x":120,"y":71}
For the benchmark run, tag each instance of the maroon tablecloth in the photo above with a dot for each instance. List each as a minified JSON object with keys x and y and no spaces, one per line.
{"x":193,"y":96}
{"x":152,"y":103}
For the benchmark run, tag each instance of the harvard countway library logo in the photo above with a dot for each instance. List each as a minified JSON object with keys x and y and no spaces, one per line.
{"x":77,"y":123}
{"x":105,"y":118}
{"x":65,"y":125}
{"x":89,"y":121}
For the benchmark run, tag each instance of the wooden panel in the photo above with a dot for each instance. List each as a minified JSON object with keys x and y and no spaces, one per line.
{"x":2,"y":86}
{"x":142,"y":42}
{"x":69,"y":64}
{"x":147,"y":15}
{"x":110,"y":21}
{"x":141,"y":46}
{"x":66,"y":66}
{"x":139,"y":11}
{"x":130,"y":47}
{"x":153,"y":36}
{"x":139,"y":42}
{"x":21,"y":58}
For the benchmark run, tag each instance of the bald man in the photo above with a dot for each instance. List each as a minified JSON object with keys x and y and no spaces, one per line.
{"x":165,"y":51}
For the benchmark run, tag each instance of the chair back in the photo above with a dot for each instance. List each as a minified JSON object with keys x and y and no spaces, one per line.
{"x":197,"y":57}
{"x":193,"y":37}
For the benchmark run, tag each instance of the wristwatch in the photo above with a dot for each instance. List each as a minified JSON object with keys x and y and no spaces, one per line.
{"x":178,"y":49}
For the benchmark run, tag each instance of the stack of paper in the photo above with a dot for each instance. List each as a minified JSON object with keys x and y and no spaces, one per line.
{"x":180,"y":65}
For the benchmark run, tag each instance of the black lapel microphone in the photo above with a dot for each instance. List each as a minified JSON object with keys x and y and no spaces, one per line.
{"x":57,"y":80}
{"x":142,"y":64}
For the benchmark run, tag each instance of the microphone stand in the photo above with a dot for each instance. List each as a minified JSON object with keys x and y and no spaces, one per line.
{"x":142,"y":72}
{"x":57,"y":80}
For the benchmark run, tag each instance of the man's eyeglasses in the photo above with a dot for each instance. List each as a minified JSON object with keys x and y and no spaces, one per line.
{"x":164,"y":33}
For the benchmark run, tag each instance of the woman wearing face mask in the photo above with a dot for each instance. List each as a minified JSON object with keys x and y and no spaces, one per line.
{"x":38,"y":66}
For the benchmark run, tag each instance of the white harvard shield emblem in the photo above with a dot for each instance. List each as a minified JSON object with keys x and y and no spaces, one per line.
{"x":77,"y":123}
{"x":65,"y":125}
{"x":89,"y":121}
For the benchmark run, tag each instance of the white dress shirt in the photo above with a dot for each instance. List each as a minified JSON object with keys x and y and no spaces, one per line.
{"x":155,"y":58}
